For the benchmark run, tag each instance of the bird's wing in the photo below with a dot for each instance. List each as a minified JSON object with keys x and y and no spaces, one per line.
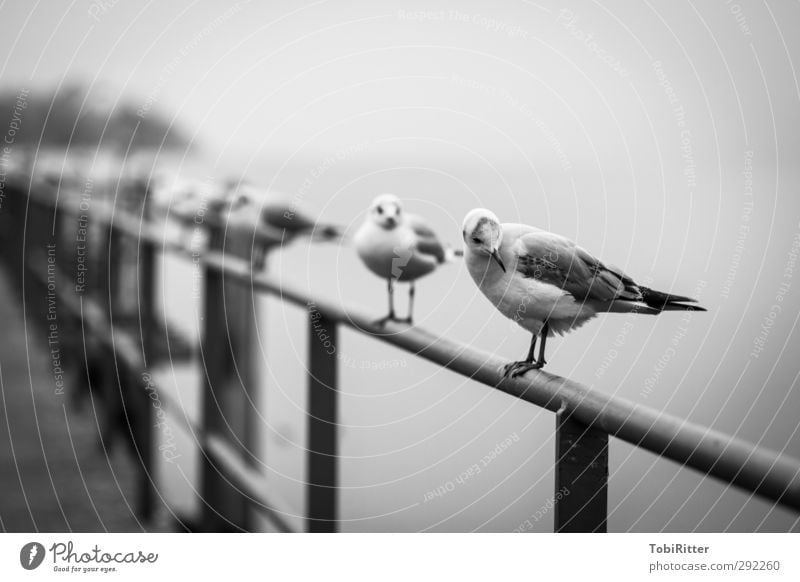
{"x":427,"y":241}
{"x":266,"y":208}
{"x":285,"y":217}
{"x":560,"y":262}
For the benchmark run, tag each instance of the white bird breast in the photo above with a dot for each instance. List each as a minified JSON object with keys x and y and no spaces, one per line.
{"x":527,"y":301}
{"x":392,"y":253}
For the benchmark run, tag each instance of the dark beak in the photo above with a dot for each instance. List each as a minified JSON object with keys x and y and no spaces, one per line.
{"x":496,"y":257}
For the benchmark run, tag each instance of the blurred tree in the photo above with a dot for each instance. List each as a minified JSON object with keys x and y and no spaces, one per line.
{"x":74,"y":116}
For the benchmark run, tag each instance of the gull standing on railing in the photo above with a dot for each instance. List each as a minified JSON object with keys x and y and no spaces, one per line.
{"x":398,"y":246}
{"x":261,"y":218}
{"x":271,"y":219}
{"x":548,"y":284}
{"x":188,"y":204}
{"x":189,"y":201}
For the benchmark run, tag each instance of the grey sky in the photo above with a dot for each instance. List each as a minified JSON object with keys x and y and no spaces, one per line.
{"x":313,"y":76}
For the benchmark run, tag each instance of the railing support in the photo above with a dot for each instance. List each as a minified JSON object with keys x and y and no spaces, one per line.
{"x":108,"y":390}
{"x":38,"y":238}
{"x":322,"y":511}
{"x":229,"y":392}
{"x":145,"y":273}
{"x":581,"y":488}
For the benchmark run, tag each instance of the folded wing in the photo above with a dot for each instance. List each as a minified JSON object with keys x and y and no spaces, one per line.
{"x":553,"y":259}
{"x":427,"y":241}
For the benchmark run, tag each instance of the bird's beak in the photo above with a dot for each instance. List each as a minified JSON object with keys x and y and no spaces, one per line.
{"x":496,"y":257}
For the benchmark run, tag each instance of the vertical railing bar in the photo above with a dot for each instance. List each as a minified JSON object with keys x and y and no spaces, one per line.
{"x":101,"y":371}
{"x":581,"y":476}
{"x":322,"y":456}
{"x":110,"y":376}
{"x":66,"y":225}
{"x":145,"y":292}
{"x":218,"y":509}
{"x":226,"y":352}
{"x":124,"y":401}
{"x":119,"y":382}
{"x":39,"y":236}
{"x":146,"y":286}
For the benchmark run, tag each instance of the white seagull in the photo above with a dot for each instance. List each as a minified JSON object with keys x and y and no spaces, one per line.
{"x":260,"y":218}
{"x":264,"y":219}
{"x":547,"y":284}
{"x":191,"y":202}
{"x":398,"y":246}
{"x":269,"y":219}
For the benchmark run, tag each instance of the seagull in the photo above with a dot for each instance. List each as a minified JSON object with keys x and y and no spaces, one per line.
{"x":188,"y":201}
{"x":261,"y":218}
{"x":547,"y":284}
{"x":398,"y":246}
{"x":191,"y":204}
{"x":270,"y":219}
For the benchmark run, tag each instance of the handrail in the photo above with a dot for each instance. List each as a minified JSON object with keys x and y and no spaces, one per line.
{"x":733,"y":460}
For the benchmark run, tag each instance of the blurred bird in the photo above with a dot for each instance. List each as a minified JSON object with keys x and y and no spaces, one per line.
{"x":261,"y":219}
{"x":271,"y":219}
{"x":190,"y":203}
{"x":398,"y":246}
{"x":189,"y":200}
{"x":547,"y":284}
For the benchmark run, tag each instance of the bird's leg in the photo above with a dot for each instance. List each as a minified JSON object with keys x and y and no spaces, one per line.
{"x":259,"y":257}
{"x":545,"y":330}
{"x":390,"y":286}
{"x":515,"y":369}
{"x":529,"y":359}
{"x":391,"y":317}
{"x":411,"y":292}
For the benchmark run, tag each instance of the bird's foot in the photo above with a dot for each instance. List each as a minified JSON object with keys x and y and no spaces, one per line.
{"x":382,"y":321}
{"x":515,"y":369}
{"x":409,"y":320}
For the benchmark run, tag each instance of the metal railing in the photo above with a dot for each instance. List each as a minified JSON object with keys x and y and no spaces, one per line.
{"x":232,"y":484}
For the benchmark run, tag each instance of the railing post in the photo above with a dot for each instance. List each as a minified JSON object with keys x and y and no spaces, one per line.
{"x":228,"y":396}
{"x":145,"y":270}
{"x":12,"y":222}
{"x":581,"y":488}
{"x":127,"y":411}
{"x":106,"y":373}
{"x":322,"y":445}
{"x":66,"y":228}
{"x":39,"y":238}
{"x":107,"y":269}
{"x":146,"y":287}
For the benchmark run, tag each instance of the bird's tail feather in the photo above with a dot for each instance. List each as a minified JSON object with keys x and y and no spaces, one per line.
{"x":327,"y":233}
{"x":682,"y":307}
{"x":624,"y":306}
{"x":668,"y":302}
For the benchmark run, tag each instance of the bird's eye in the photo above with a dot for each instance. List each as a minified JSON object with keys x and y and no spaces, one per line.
{"x":380,"y":209}
{"x":476,"y":240}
